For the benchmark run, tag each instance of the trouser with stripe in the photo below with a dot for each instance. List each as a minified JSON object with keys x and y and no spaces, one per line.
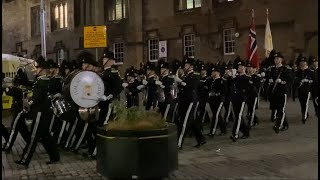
{"x":73,"y":118}
{"x":315,"y":99}
{"x":40,"y":131}
{"x":4,"y":132}
{"x":228,"y":115}
{"x":18,"y":125}
{"x":166,"y":109}
{"x":252,"y":102}
{"x":239,"y":124}
{"x":304,"y":98}
{"x":185,"y":118}
{"x":217,"y":119}
{"x":280,"y":100}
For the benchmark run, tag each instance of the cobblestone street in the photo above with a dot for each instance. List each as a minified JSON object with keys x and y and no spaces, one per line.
{"x":291,"y":154}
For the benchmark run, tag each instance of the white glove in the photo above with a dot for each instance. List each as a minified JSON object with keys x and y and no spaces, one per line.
{"x":144,"y":82}
{"x":278,"y":80}
{"x":162,"y":86}
{"x":210,"y":94}
{"x":305,"y":80}
{"x":140,"y":87}
{"x":57,"y":95}
{"x":270,"y":80}
{"x":259,"y":75}
{"x":8,"y":79}
{"x":250,"y":82}
{"x":158,"y":83}
{"x":7,"y":89}
{"x":178,"y":80}
{"x":263,"y":74}
{"x":125,"y":85}
{"x":183,"y":83}
{"x":109,"y":97}
{"x":103,"y":98}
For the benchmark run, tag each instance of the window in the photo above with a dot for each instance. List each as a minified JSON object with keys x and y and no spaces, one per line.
{"x":189,"y":45}
{"x":153,"y":45}
{"x":228,"y":41}
{"x":117,"y":9}
{"x":35,"y":20}
{"x":118,"y":51}
{"x":59,"y":15}
{"x":61,"y":55}
{"x":188,"y":4}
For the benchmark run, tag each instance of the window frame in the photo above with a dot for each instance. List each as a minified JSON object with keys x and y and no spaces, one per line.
{"x":124,"y":13}
{"x":116,"y":53}
{"x":35,"y":21}
{"x":192,"y":45}
{"x":232,"y":41}
{"x":153,"y":50}
{"x":185,"y":2}
{"x":65,"y":15}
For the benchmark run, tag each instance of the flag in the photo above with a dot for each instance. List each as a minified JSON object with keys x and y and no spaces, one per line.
{"x":268,"y":45}
{"x":252,"y":46}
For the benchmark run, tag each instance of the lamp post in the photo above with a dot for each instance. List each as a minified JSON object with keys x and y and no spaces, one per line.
{"x":43,"y":30}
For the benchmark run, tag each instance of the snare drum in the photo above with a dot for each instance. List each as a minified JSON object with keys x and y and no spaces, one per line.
{"x":60,"y":107}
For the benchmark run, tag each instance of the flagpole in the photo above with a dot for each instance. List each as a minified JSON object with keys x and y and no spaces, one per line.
{"x":252,"y":13}
{"x":267,"y":13}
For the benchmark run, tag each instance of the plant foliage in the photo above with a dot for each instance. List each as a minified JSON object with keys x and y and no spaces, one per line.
{"x":135,"y":118}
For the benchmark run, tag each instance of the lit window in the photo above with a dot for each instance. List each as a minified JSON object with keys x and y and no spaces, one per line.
{"x":118,"y":50}
{"x":228,"y":41}
{"x":153,"y":50}
{"x":189,"y":4}
{"x":59,"y":15}
{"x":117,"y":9}
{"x":189,"y":45}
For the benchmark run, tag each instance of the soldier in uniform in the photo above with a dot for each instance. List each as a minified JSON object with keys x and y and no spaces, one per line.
{"x":86,"y":63}
{"x":187,"y":103}
{"x":131,"y":88}
{"x":166,"y":83}
{"x":19,"y":114}
{"x":304,"y":80}
{"x":56,"y":126}
{"x":315,"y":85}
{"x":228,"y":77}
{"x":203,"y":94}
{"x":113,"y":88}
{"x":278,"y":78}
{"x":150,"y":86}
{"x":253,"y":95}
{"x":217,"y":88}
{"x":40,"y":106}
{"x":239,"y":96}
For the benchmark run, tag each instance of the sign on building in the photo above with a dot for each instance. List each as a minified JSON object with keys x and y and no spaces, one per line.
{"x":162,"y":49}
{"x":95,"y":37}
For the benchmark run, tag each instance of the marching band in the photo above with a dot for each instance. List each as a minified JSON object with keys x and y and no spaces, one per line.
{"x":189,"y":93}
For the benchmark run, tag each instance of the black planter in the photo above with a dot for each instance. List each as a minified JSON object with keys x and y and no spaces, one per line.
{"x":137,"y":154}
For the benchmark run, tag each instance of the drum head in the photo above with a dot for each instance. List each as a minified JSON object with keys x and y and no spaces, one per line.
{"x":86,"y":88}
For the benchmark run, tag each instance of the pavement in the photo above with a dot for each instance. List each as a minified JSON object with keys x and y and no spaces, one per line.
{"x":289,"y":155}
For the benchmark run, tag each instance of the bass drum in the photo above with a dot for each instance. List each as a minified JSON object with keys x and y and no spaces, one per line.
{"x":84,"y":88}
{"x":66,"y":85}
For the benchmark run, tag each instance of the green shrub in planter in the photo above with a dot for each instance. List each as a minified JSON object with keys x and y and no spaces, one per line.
{"x":137,"y":144}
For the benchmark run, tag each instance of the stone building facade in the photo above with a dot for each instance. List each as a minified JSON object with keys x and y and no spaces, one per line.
{"x":204,"y":29}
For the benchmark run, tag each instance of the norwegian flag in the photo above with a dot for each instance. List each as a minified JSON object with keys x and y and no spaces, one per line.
{"x":252,"y":46}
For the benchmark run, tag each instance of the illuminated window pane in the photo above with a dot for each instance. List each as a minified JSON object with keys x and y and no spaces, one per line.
{"x":61,"y":15}
{"x":65,"y":15}
{"x":189,"y":4}
{"x":197,"y":3}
